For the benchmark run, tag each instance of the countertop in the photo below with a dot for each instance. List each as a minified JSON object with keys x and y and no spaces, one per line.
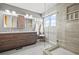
{"x":17,"y":32}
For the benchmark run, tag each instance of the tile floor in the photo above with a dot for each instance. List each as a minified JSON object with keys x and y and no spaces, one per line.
{"x":62,"y":51}
{"x":35,"y":49}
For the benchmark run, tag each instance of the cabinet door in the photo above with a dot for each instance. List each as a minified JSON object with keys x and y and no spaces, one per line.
{"x":21,"y":22}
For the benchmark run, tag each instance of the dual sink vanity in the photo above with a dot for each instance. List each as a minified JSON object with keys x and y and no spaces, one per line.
{"x":16,"y":40}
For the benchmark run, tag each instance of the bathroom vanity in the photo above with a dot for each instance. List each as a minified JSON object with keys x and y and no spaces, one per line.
{"x":15,"y":40}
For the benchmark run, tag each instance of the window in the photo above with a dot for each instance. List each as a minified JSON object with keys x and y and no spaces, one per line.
{"x":50,"y":20}
{"x":47,"y":21}
{"x":53,"y":20}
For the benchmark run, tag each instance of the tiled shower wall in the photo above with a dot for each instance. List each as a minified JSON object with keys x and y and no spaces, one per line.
{"x":67,"y":31}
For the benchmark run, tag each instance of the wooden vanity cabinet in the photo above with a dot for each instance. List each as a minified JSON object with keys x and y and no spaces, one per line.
{"x":10,"y":41}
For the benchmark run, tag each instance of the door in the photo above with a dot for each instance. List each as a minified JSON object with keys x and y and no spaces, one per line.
{"x":50,"y":28}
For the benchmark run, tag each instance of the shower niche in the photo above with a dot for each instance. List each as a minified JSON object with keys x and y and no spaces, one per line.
{"x":73,"y":12}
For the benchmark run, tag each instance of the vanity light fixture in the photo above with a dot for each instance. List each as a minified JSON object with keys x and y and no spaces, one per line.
{"x":28,"y":16}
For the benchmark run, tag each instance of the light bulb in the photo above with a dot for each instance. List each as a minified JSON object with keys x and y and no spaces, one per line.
{"x":26,"y":16}
{"x":30,"y":16}
{"x":8,"y":11}
{"x":13,"y":12}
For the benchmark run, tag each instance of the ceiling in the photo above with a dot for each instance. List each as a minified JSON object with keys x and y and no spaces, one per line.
{"x":35,"y":7}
